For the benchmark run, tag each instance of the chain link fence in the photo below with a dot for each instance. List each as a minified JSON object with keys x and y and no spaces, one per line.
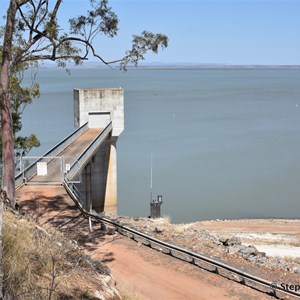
{"x":47,"y":169}
{"x":42,"y":170}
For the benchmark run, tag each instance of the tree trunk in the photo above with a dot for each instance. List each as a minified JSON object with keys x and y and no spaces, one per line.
{"x":8,"y":176}
{"x":1,"y":248}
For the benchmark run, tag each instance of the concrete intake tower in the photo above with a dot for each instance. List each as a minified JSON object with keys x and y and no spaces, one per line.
{"x":98,"y":178}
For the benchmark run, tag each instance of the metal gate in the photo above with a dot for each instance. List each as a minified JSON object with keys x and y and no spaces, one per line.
{"x":48,"y":169}
{"x":72,"y":169}
{"x":42,"y":170}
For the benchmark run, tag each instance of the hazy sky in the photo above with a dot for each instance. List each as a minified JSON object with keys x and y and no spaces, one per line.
{"x":206,"y":31}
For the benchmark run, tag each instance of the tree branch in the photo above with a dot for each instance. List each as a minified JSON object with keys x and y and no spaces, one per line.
{"x":39,"y":34}
{"x":21,"y":2}
{"x":41,"y":3}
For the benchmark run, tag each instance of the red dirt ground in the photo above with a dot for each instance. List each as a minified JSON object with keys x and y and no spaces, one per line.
{"x":137,"y":269}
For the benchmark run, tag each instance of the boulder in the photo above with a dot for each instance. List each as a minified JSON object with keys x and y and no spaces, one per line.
{"x":230,"y":241}
{"x":295,"y":270}
{"x":234,"y":249}
{"x":157,"y":230}
{"x":234,"y":241}
{"x":111,"y":230}
{"x":223,"y":240}
{"x":249,"y":251}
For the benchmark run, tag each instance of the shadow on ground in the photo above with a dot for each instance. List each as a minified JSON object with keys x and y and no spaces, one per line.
{"x":64,"y":215}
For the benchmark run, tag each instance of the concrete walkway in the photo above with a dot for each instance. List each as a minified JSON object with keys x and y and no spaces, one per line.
{"x":71,"y":153}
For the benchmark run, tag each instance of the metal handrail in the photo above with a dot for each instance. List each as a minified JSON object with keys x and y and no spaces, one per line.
{"x":272,"y":289}
{"x":90,"y":151}
{"x":74,"y":191}
{"x":19,"y":179}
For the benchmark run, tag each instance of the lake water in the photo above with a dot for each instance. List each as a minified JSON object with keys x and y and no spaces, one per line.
{"x":225,"y":143}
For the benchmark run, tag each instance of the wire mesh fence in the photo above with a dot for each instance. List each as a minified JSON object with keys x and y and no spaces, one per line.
{"x":46,"y":169}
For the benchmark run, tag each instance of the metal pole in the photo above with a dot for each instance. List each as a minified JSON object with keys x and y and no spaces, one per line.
{"x":62,"y":168}
{"x":151,"y":181}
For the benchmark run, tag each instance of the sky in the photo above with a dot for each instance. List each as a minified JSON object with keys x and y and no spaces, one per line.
{"x":238,"y":32}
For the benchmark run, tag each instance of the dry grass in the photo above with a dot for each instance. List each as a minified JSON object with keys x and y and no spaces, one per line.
{"x":40,"y":264}
{"x":179,"y":229}
{"x":166,"y":220}
{"x":272,"y":242}
{"x":292,"y":259}
{"x":129,"y":296}
{"x":209,"y":244}
{"x":182,"y":228}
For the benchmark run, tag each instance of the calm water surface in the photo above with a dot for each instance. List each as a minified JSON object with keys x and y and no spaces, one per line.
{"x":225,"y":143}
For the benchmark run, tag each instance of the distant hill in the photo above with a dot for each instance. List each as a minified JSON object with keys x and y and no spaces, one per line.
{"x":181,"y":65}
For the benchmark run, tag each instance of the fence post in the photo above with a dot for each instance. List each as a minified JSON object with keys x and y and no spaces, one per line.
{"x":23,"y":170}
{"x":62,"y":162}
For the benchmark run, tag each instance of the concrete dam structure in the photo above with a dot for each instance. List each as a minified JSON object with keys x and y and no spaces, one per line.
{"x":85,"y":161}
{"x":99,"y":107}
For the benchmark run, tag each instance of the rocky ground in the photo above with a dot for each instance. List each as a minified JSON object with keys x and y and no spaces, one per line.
{"x":236,"y":242}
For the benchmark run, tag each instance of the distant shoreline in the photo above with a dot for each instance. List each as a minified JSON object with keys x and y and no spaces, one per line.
{"x":95,"y":65}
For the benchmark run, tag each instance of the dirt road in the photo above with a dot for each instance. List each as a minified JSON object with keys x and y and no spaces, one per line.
{"x":150,"y":275}
{"x":137,"y":269}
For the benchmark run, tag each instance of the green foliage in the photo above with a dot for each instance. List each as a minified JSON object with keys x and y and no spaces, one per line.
{"x":24,"y":144}
{"x":20,"y":97}
{"x":100,"y":20}
{"x":141,"y":44}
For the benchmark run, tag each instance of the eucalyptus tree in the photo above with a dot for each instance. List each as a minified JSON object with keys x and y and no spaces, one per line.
{"x":32,"y":34}
{"x":20,"y":97}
